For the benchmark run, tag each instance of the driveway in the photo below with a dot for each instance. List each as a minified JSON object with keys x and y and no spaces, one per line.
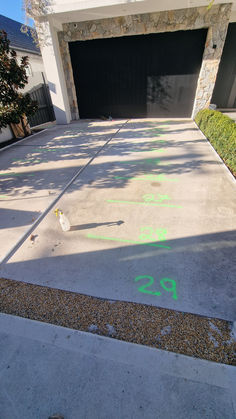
{"x":149,"y":255}
{"x":35,"y":170}
{"x":152,"y":217}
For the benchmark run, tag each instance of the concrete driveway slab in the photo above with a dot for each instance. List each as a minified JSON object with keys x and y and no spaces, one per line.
{"x":47,"y":369}
{"x":152,"y":221}
{"x":33,"y":172}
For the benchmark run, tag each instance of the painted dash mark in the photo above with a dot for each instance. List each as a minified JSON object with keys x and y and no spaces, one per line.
{"x":146,"y":161}
{"x":15,"y":174}
{"x":143,"y":203}
{"x":158,"y":141}
{"x":147,"y":179}
{"x":144,"y":151}
{"x":92,"y":236}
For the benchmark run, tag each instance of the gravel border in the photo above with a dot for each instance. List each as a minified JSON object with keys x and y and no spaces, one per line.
{"x":184,"y":333}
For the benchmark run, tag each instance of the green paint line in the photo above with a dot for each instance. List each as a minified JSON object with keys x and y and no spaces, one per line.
{"x":146,"y":179}
{"x":146,"y":161}
{"x":92,"y":236}
{"x":3,"y":196}
{"x":46,"y":149}
{"x":145,"y":151}
{"x":158,"y":141}
{"x":52,"y":149}
{"x":15,"y":174}
{"x":155,"y":149}
{"x":143,"y":203}
{"x":160,"y":150}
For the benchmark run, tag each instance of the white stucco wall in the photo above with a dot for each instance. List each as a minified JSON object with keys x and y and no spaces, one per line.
{"x":55,"y":74}
{"x":36,"y":78}
{"x":65,"y":11}
{"x":37,"y":68}
{"x":5,"y":134}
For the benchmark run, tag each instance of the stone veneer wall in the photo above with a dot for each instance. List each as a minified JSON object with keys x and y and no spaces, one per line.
{"x":216,"y":20}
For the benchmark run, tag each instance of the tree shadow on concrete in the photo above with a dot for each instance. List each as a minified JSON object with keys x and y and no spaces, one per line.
{"x":116,"y":173}
{"x":112,"y":174}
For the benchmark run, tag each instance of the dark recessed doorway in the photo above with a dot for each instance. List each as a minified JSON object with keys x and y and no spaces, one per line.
{"x":224,"y":95}
{"x":138,"y":76}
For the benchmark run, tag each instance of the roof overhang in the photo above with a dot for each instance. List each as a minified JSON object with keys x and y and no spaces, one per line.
{"x":66,"y":11}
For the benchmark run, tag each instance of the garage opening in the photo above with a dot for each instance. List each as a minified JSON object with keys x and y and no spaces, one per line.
{"x":138,"y":76}
{"x":224,"y":95}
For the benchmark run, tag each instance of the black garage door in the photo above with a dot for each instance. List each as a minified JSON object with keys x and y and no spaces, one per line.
{"x":138,"y":76}
{"x":224,"y":95}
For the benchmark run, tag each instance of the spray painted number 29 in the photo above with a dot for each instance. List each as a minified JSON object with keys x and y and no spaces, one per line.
{"x":169,"y":285}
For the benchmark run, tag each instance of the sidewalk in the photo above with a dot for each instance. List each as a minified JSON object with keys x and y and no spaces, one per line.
{"x":47,"y":369}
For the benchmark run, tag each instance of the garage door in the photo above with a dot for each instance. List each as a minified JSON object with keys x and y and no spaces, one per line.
{"x":224,"y":95}
{"x":138,"y":76}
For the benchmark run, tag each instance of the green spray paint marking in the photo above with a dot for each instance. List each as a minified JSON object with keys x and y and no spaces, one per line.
{"x":147,"y":161}
{"x":49,"y":149}
{"x":151,"y":197}
{"x":143,"y":203}
{"x":15,"y":174}
{"x":3,"y":196}
{"x":153,"y":178}
{"x":148,"y":233}
{"x":163,"y":283}
{"x":23,"y":160}
{"x":144,"y":151}
{"x":92,"y":236}
{"x":161,"y":150}
{"x":158,"y":141}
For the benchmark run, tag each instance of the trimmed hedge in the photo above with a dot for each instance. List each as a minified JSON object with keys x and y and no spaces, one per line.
{"x":221,"y":132}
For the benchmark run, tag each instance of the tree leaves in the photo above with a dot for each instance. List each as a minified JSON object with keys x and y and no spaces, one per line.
{"x":13,"y":103}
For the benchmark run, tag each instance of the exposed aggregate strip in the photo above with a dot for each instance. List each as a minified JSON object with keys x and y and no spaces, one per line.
{"x":184,"y":333}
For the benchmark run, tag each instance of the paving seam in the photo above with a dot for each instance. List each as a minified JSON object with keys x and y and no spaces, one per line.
{"x":166,"y":329}
{"x":46,"y":211}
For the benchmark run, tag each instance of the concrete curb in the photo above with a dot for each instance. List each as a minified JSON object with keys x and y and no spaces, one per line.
{"x":23,"y":139}
{"x":116,"y":350}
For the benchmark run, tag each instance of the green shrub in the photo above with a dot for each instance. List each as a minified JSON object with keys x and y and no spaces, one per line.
{"x":221,"y":132}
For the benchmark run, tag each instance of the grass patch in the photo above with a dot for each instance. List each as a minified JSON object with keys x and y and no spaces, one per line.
{"x":221,"y":132}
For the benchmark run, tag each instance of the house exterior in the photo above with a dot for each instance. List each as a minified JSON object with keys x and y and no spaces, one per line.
{"x":138,"y":58}
{"x":23,"y":44}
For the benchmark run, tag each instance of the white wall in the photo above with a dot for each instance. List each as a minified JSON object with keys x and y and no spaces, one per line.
{"x":37,"y":68}
{"x":66,"y":11}
{"x":5,"y":134}
{"x":36,"y":78}
{"x":55,"y":74}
